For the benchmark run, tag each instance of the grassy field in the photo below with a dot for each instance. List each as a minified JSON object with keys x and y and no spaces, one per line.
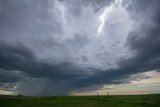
{"x":82,"y":101}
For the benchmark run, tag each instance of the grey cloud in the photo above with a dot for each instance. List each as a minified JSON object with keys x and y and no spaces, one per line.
{"x":18,"y":64}
{"x":79,"y":40}
{"x":9,"y":76}
{"x":20,"y":58}
{"x":23,"y":17}
{"x":14,"y":56}
{"x":145,"y":48}
{"x":76,"y":7}
{"x":35,"y":47}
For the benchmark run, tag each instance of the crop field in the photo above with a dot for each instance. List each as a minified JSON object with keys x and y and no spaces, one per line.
{"x":82,"y":101}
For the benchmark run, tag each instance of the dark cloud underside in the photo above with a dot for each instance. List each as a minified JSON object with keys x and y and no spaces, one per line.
{"x":54,"y":44}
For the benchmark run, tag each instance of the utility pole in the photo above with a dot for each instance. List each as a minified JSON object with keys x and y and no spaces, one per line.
{"x":108,"y":95}
{"x":97,"y":95}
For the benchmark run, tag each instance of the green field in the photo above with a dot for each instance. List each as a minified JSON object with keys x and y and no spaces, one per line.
{"x":82,"y":101}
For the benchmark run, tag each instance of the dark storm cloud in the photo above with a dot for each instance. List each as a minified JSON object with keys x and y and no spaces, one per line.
{"x":19,"y":64}
{"x":18,"y":17}
{"x":6,"y":76}
{"x":146,"y":49}
{"x":25,"y":25}
{"x":21,"y":59}
{"x":147,"y":46}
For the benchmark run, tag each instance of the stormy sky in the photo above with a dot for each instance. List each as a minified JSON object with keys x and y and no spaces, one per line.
{"x":65,"y":47}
